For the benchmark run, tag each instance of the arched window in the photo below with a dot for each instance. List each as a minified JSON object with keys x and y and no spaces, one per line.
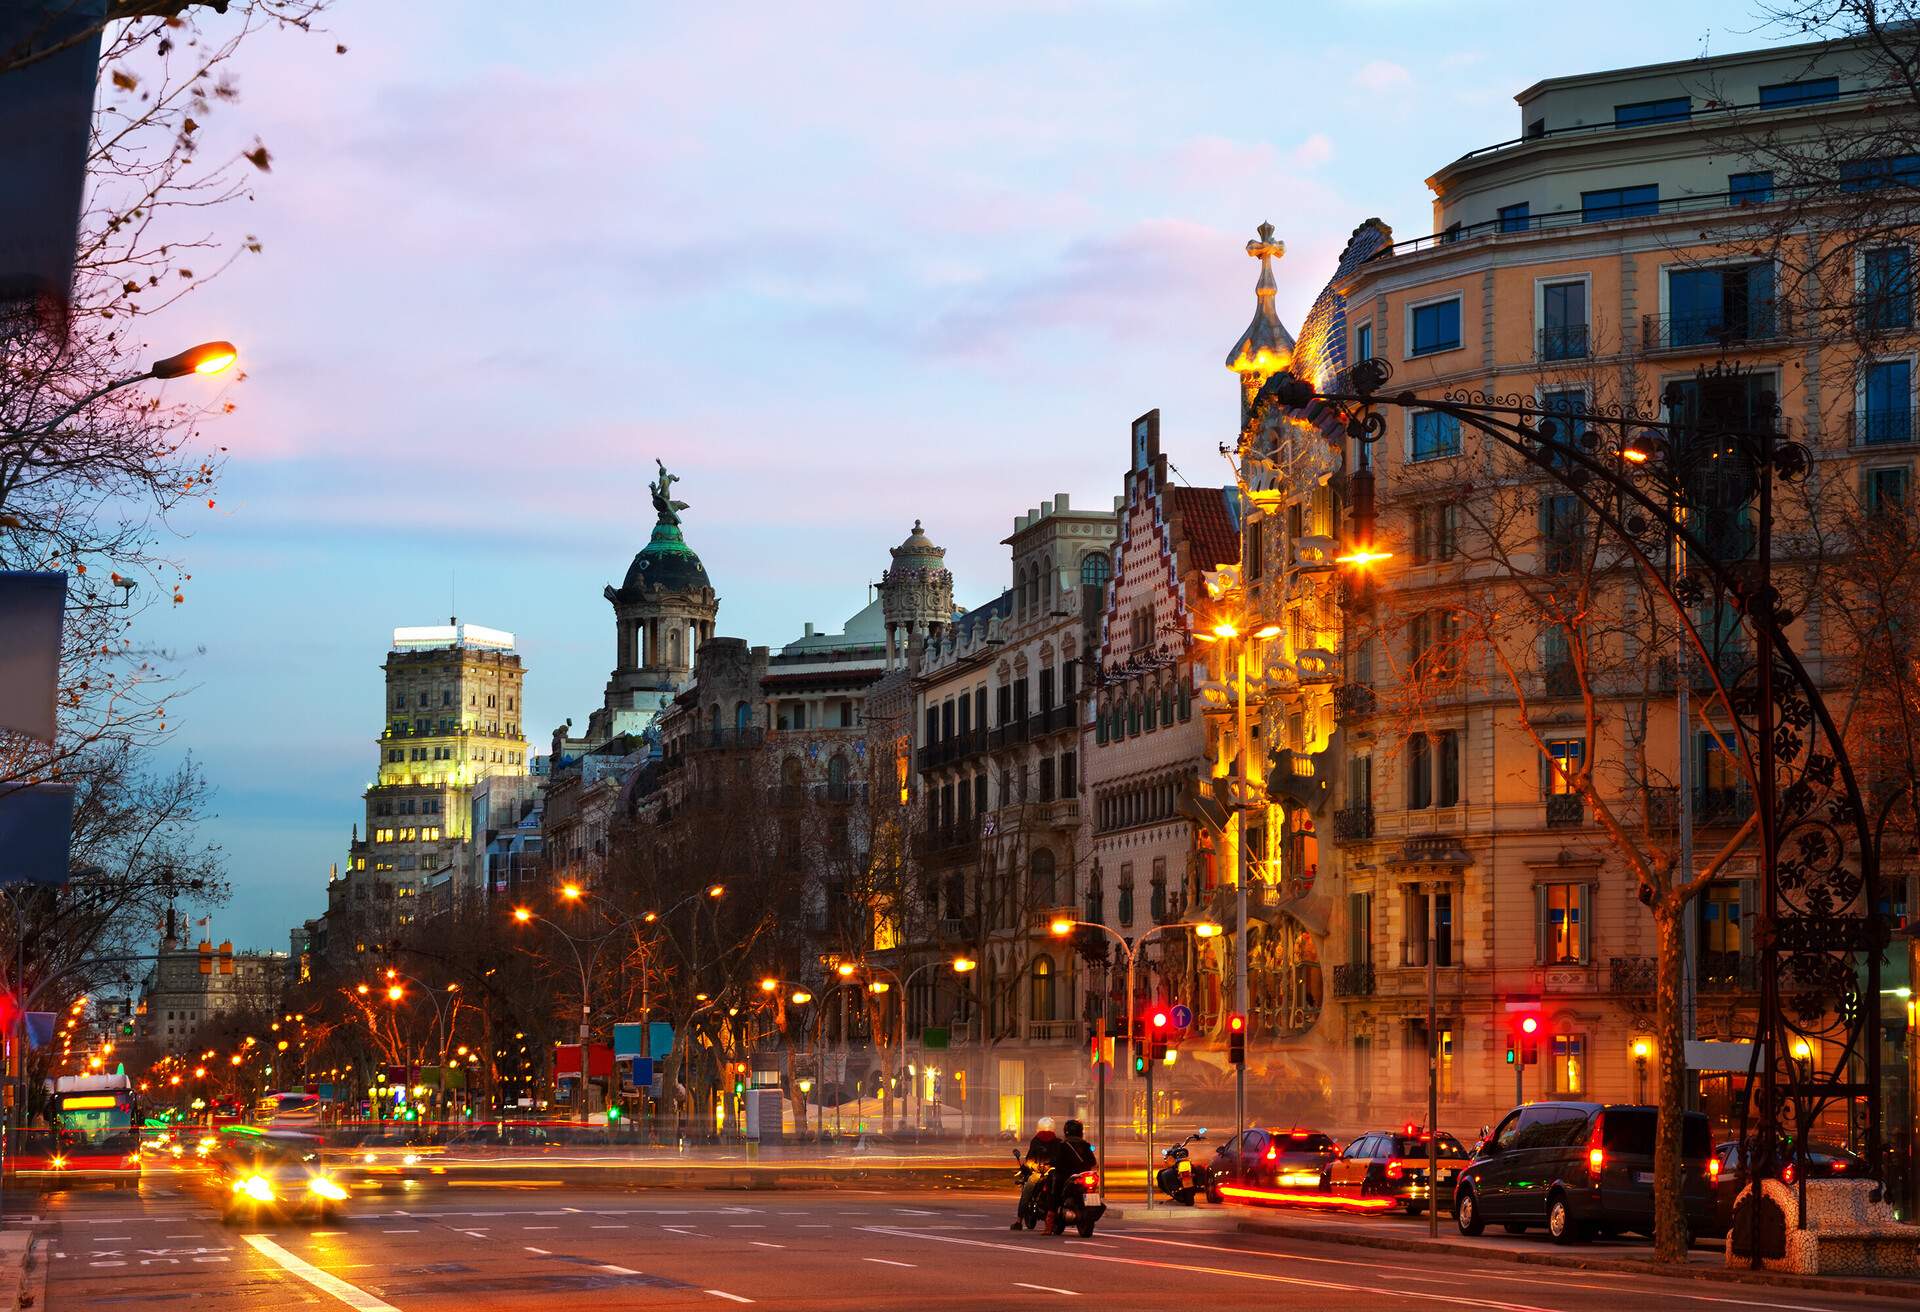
{"x":742,"y":717}
{"x":1046,"y":584}
{"x":1152,"y":713}
{"x":1094,"y":570}
{"x":1040,"y":874}
{"x":713,"y":722}
{"x":837,"y":779}
{"x":1042,"y":988}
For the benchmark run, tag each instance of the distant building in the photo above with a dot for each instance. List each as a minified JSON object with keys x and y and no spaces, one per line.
{"x":453,"y":703}
{"x":178,"y":996}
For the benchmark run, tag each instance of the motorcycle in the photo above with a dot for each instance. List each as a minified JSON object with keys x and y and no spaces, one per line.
{"x":1081,"y":1204}
{"x":1181,"y":1178}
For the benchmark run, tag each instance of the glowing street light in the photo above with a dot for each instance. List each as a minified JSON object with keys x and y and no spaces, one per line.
{"x":522,"y":915}
{"x":964,"y":964}
{"x":206,"y":358}
{"x":572,"y":892}
{"x":1363,"y":557}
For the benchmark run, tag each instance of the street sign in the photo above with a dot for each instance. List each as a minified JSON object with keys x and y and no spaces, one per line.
{"x":627,"y":1041}
{"x":1182,"y":1016}
{"x":659,"y":1039}
{"x":642,"y":1071}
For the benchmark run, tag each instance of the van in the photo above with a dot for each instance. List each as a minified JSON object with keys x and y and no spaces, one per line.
{"x":1580,"y":1169}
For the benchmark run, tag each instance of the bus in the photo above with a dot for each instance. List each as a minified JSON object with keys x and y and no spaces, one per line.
{"x":95,"y":1136}
{"x":290,"y":1110}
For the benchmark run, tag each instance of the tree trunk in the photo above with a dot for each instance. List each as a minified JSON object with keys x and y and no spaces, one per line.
{"x":1669,"y":1208}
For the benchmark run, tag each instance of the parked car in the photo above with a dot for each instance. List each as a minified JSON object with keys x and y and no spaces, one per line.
{"x":1269,"y":1159}
{"x":1392,"y":1165}
{"x":1823,"y":1162}
{"x":1580,"y":1168}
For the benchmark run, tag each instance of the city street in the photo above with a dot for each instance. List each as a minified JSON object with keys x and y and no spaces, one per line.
{"x":524,"y":1247}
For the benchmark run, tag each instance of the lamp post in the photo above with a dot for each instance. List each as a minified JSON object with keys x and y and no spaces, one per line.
{"x":1228,"y":632}
{"x":1064,"y":926}
{"x":1642,"y":1049}
{"x":960,"y":965}
{"x":397,"y":994}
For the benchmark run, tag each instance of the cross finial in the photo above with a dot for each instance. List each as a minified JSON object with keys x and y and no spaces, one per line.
{"x":1266,"y":250}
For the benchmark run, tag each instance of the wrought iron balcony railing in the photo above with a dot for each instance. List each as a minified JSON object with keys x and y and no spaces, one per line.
{"x":1728,"y":972}
{"x":1353,"y":823}
{"x":1633,"y":975}
{"x":1873,"y":427}
{"x":1567,"y":342}
{"x":1353,"y":979}
{"x":1566,"y":811}
{"x":1763,"y":321}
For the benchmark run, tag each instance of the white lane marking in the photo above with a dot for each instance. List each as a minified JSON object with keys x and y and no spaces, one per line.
{"x":884,"y":1261}
{"x":1047,"y":1289}
{"x":814,"y":1225}
{"x":352,"y":1295}
{"x":324,"y":1234}
{"x":107,"y":1239}
{"x":617,"y":1270}
{"x":745,"y":1227}
{"x":531,"y":1249}
{"x":539,"y":1227}
{"x":399,"y":1232}
{"x":912,"y":1211}
{"x":761,"y":1243}
{"x":732,"y":1298}
{"x":1263,"y":1277}
{"x":185,"y":1236}
{"x":606,"y":1227}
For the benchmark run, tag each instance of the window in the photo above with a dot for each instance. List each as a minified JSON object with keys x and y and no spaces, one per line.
{"x":1041,"y":871}
{"x":1806,"y":92}
{"x":1069,"y":774}
{"x":1042,"y":999}
{"x":1436,"y":327}
{"x":1435,"y":435}
{"x":1875,"y":174}
{"x":1886,"y":290}
{"x":1562,"y":530}
{"x":1887,"y":415}
{"x":1126,"y":894}
{"x":1569,"y":1063}
{"x":1515,"y":218}
{"x":1563,"y":924}
{"x":1443,"y":929}
{"x":1671,"y":110}
{"x":1435,"y":528}
{"x":1887,"y":488}
{"x":1567,"y":429}
{"x":1566,"y":757}
{"x":1619,"y":203}
{"x":1720,"y":919}
{"x":1419,"y":772}
{"x":1749,"y":188}
{"x":1447,"y":785}
{"x":1734,"y":303}
{"x":1095,"y":571}
{"x":1563,"y":320}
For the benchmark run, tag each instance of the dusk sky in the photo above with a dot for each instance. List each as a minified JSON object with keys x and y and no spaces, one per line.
{"x":839,"y":265}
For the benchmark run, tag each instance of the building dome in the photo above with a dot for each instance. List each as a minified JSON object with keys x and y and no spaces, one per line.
{"x":916,"y":593}
{"x":665,"y":562}
{"x":918,"y":552}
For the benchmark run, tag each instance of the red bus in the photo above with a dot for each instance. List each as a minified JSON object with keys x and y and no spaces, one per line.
{"x":94,"y":1135}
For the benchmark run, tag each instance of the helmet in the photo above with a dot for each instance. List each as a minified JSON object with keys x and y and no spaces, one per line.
{"x":1045,"y":1123}
{"x":1075,"y":1130}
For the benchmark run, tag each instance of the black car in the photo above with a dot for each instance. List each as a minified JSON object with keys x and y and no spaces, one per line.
{"x":1822,"y":1163}
{"x":1580,"y":1168}
{"x":1269,"y":1160}
{"x":275,"y":1176}
{"x":1390,"y":1167}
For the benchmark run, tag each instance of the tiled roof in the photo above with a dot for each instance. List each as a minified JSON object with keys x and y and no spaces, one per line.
{"x":1207,"y":523}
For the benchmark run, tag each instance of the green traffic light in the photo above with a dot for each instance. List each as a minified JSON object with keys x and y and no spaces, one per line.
{"x":613,"y":1113}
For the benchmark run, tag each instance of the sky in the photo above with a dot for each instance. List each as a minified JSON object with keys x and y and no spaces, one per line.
{"x":840,"y":265}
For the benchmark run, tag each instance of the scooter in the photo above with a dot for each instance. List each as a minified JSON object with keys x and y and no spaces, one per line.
{"x":1081,"y":1204}
{"x":1033,"y":1190}
{"x":1180,"y":1178}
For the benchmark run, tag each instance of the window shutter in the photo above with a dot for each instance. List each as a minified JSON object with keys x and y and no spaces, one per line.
{"x":1539,"y":924}
{"x":1586,"y":923}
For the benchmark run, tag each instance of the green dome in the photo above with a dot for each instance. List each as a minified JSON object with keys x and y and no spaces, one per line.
{"x":665,"y":562}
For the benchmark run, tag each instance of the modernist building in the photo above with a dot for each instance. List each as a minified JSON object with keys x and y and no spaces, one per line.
{"x":453,"y":702}
{"x":1606,"y":256}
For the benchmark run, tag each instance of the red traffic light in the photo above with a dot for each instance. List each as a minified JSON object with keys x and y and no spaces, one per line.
{"x":1159,"y":1020}
{"x":1529,"y":1024}
{"x":1236,"y":1023}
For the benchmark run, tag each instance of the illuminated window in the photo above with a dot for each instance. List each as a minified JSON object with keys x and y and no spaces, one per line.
{"x":1569,"y":1063}
{"x":1563,"y":924}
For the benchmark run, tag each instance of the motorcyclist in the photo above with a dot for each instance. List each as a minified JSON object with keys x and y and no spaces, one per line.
{"x":1037,"y":1161}
{"x":1071,"y":1155}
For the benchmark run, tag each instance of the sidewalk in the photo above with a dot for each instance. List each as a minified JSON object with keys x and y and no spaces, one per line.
{"x":23,"y":1276}
{"x":1705,"y":1262}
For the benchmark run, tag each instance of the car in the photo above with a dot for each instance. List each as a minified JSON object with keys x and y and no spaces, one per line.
{"x":1823,"y":1162}
{"x":1389,"y":1167}
{"x":275,"y":1177}
{"x":1580,"y":1169}
{"x":1269,"y":1160}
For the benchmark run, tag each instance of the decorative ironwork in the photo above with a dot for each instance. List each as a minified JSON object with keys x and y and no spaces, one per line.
{"x":1353,"y":979}
{"x":1630,"y":975}
{"x":1702,"y":484}
{"x":1352,"y":822}
{"x":1566,"y":811}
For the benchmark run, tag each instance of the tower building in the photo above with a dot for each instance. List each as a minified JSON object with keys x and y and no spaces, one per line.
{"x":916,"y":595}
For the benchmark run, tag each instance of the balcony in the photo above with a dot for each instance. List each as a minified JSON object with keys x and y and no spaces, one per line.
{"x":1880,"y":427}
{"x":1053,"y":1031}
{"x":948,"y":842}
{"x":786,"y":795}
{"x":1352,"y":824}
{"x":1728,"y":972}
{"x":1299,"y":777}
{"x":1313,"y":553}
{"x":1351,"y":700}
{"x":1721,"y":807}
{"x":1566,"y":811}
{"x":1567,"y":342}
{"x":1011,"y":734}
{"x":841,"y":794}
{"x":1051,"y":720}
{"x":725,"y":740}
{"x":1353,"y":979}
{"x":1631,"y":975}
{"x":1560,"y":680}
{"x":1041,"y":922}
{"x":1767,"y":321}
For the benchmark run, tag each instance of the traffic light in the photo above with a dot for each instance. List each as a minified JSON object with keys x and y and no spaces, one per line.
{"x":1157,"y":1033}
{"x":613,"y":1114}
{"x":1528,"y":1026}
{"x":1236,"y":1039}
{"x":1139,"y":1057}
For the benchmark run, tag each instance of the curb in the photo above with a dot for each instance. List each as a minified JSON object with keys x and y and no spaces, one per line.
{"x":33,"y":1280}
{"x":1637,"y":1266}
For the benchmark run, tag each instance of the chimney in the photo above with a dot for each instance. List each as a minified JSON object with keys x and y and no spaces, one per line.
{"x":1059,"y":503}
{"x":1046,"y":508}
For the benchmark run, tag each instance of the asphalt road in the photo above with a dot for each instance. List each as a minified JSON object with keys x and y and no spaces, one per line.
{"x":550,"y":1249}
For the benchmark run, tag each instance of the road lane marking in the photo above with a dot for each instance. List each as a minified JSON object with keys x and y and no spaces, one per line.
{"x":732,"y":1298}
{"x":761,"y":1243}
{"x":1047,"y":1289}
{"x":885,"y":1261}
{"x":606,"y":1227}
{"x":543,"y":1252}
{"x":539,"y":1227}
{"x":352,"y":1295}
{"x":399,"y":1232}
{"x":1075,"y":1254}
{"x":324,"y":1234}
{"x":617,"y":1270}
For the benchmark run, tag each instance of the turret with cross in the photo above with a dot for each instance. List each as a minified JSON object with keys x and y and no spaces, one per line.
{"x":1266,"y":347}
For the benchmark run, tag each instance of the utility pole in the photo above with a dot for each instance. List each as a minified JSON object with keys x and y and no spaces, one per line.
{"x":1433,"y":1077}
{"x":1245,"y":870}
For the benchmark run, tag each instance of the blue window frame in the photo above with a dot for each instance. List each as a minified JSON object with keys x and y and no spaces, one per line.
{"x":1888,"y":489}
{"x":1749,"y":188}
{"x":1806,"y":92}
{"x":1563,"y":321}
{"x":1619,"y":203}
{"x":1734,"y":303}
{"x":1887,"y":171}
{"x":1435,"y":435}
{"x":1569,"y":403}
{"x":1886,"y":291}
{"x":1670,"y":110}
{"x":1436,"y":327}
{"x":1515,"y":218}
{"x":1888,"y":394}
{"x":1363,"y":343}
